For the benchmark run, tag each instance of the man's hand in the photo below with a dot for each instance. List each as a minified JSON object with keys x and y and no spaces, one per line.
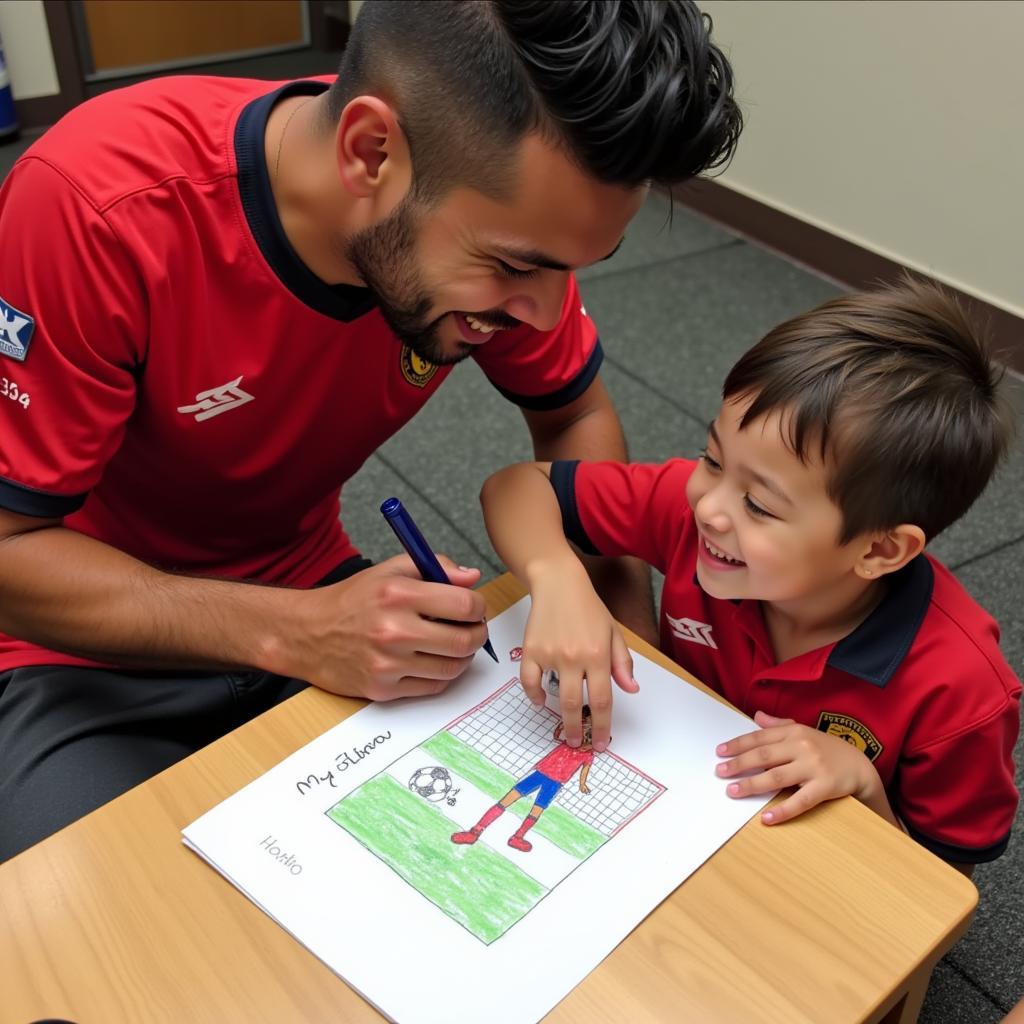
{"x":383,"y":633}
{"x":785,"y":754}
{"x":571,"y":631}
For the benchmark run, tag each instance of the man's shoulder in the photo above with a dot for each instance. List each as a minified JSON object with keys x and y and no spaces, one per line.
{"x":125,"y":141}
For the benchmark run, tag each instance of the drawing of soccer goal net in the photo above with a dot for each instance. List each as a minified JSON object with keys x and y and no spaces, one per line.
{"x":490,"y":814}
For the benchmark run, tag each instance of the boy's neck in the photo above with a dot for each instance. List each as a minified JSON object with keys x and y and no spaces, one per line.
{"x":795,"y":628}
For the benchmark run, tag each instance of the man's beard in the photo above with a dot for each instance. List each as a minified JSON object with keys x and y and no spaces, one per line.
{"x":385,"y":257}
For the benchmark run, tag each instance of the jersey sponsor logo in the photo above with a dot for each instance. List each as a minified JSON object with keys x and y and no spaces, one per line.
{"x":214,"y":401}
{"x":15,"y":331}
{"x":857,"y":734}
{"x":415,"y":370}
{"x":692,"y":630}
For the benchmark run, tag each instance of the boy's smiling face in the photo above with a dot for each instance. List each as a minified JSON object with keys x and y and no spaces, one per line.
{"x":768,"y":529}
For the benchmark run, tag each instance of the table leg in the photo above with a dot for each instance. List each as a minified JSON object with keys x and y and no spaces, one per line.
{"x":906,"y":1010}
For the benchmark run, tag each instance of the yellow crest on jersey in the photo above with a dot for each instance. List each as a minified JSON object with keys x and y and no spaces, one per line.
{"x":415,"y":370}
{"x":855,"y":733}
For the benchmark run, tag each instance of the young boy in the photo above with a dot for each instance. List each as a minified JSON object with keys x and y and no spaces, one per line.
{"x":795,"y":583}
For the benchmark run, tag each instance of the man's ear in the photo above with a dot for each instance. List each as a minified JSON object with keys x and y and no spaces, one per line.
{"x":372,"y":151}
{"x":890,"y":551}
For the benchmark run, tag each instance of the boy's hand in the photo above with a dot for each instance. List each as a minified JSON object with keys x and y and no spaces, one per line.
{"x":786,"y":754}
{"x":571,"y":631}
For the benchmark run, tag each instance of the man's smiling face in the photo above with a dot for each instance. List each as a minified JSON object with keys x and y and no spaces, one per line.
{"x":450,"y":275}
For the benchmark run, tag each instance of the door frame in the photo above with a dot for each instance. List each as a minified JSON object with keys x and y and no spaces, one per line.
{"x":327,"y":29}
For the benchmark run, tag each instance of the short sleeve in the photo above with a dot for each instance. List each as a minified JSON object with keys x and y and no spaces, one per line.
{"x":545,"y":369}
{"x":70,"y":344}
{"x":957,"y":795}
{"x":615,"y":508}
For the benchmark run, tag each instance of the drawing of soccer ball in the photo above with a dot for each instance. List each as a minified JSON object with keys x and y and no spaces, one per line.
{"x":433,"y":784}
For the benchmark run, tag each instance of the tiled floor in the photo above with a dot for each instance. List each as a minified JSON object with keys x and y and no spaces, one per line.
{"x":675,"y":307}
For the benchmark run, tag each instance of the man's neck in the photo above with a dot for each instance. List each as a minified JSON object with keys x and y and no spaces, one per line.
{"x":303,"y":180}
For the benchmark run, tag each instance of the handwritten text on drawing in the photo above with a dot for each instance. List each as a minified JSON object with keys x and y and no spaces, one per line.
{"x":287,"y":859}
{"x":342,"y":762}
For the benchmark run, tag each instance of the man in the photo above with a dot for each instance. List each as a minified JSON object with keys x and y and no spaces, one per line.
{"x":218,"y":298}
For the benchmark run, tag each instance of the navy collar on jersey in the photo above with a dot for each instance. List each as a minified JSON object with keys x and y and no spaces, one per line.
{"x":877,"y":647}
{"x":340,"y":301}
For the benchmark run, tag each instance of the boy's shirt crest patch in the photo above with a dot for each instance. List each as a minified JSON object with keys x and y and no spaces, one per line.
{"x":415,"y":370}
{"x":16,"y":330}
{"x":855,"y":733}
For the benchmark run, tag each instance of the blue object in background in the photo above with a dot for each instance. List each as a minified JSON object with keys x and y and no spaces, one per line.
{"x":8,"y":118}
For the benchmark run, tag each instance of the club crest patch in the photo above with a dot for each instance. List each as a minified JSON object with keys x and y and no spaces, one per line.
{"x":415,"y":370}
{"x":853,"y":732}
{"x":15,"y":331}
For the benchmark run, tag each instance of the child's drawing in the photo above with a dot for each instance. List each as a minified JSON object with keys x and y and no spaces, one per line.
{"x":552,"y":772}
{"x":434,"y":784}
{"x":496,"y":756}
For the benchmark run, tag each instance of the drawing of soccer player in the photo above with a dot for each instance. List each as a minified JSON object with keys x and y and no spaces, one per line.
{"x":549,"y":775}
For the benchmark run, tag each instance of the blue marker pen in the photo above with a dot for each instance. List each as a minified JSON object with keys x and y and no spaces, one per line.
{"x":418,"y":549}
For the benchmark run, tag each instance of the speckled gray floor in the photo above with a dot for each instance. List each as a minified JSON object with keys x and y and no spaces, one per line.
{"x":675,"y":308}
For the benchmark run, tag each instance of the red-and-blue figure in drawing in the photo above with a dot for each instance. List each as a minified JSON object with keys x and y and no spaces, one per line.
{"x":549,"y":775}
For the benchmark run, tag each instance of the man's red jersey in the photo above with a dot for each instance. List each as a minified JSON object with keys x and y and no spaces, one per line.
{"x":175,"y":381}
{"x":920,"y":687}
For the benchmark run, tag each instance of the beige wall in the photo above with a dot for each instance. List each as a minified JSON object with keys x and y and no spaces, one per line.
{"x":27,"y":49}
{"x":898,"y":125}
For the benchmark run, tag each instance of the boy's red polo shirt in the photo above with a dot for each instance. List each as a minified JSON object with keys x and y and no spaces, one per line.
{"x":920,"y":687}
{"x":175,"y":381}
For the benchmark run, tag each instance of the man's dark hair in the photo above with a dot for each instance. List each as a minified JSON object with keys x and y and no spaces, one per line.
{"x":897,"y":392}
{"x":634,"y":90}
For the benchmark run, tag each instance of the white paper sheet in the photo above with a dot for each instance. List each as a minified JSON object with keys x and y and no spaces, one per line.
{"x":347,"y":843}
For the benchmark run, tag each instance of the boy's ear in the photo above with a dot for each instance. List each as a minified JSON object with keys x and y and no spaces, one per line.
{"x":890,"y":551}
{"x":372,"y":151}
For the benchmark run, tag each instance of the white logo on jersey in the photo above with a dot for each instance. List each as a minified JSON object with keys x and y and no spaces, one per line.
{"x":217,"y":400}
{"x":15,"y":331}
{"x":692,"y":630}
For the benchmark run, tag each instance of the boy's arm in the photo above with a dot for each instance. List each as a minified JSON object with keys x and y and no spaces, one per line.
{"x":822,"y":767}
{"x":569,"y":628}
{"x":589,"y":428}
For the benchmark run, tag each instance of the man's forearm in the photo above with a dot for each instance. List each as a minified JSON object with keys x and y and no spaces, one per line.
{"x":97,"y":602}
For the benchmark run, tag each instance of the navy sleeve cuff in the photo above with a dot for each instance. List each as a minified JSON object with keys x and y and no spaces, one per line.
{"x":958,"y":854}
{"x":565,"y":394}
{"x":29,"y":502}
{"x":563,"y":480}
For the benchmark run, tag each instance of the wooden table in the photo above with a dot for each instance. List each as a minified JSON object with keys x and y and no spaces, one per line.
{"x":835,"y":917}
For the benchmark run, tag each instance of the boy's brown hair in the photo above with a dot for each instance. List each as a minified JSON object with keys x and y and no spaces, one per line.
{"x":900,"y":395}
